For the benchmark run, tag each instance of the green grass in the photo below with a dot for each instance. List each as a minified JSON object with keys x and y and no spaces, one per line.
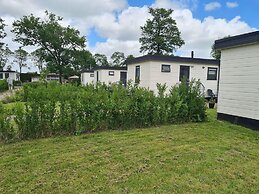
{"x":210,"y":157}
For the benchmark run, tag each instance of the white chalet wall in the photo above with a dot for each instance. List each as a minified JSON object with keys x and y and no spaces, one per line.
{"x":239,"y":82}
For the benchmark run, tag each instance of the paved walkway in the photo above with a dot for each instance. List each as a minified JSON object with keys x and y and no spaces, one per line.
{"x":3,"y":95}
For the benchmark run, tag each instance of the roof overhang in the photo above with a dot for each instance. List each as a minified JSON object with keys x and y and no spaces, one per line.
{"x":239,"y":40}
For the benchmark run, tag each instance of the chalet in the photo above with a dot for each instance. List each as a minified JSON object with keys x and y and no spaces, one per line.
{"x":105,"y":75}
{"x":9,"y":74}
{"x":239,"y":81}
{"x":152,"y":69}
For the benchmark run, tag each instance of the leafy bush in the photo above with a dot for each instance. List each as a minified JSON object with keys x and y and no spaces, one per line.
{"x":54,"y":109}
{"x":3,"y":85}
{"x":7,"y":132}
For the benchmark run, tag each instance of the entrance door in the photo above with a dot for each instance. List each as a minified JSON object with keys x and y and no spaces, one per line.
{"x":123,"y":78}
{"x":184,"y":72}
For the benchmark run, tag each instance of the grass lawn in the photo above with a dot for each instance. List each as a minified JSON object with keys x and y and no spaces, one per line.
{"x":210,"y":157}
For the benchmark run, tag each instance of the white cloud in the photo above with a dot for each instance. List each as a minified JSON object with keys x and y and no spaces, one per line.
{"x":212,"y":6}
{"x":232,"y":4}
{"x":120,"y":24}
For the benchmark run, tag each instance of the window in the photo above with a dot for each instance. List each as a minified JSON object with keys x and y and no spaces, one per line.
{"x":184,"y":73}
{"x":92,"y":75}
{"x":111,"y":73}
{"x":165,"y":68}
{"x":212,"y":73}
{"x":137,"y":74}
{"x":1,"y":76}
{"x":6,"y":75}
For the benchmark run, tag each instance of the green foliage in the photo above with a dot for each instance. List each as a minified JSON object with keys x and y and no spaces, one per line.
{"x":101,"y":60}
{"x":118,"y":59}
{"x":56,"y":43}
{"x":54,"y":109}
{"x":160,"y":34}
{"x":26,"y":77}
{"x":3,"y":85}
{"x":7,"y":132}
{"x":5,"y":52}
{"x":20,"y":58}
{"x":216,"y":54}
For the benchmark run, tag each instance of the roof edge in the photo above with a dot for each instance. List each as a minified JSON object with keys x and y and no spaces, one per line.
{"x":239,"y":40}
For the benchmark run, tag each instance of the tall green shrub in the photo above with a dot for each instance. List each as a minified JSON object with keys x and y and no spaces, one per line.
{"x":54,"y":109}
{"x":3,"y":85}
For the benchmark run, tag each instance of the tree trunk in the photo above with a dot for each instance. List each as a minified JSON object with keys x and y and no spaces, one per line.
{"x":60,"y":77}
{"x":20,"y":73}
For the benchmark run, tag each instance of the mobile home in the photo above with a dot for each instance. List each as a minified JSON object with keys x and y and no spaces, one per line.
{"x":105,"y":75}
{"x":239,"y":81}
{"x":9,"y":74}
{"x":152,"y":69}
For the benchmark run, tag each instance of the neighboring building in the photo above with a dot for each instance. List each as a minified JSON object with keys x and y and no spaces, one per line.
{"x":6,"y":74}
{"x":50,"y":77}
{"x":105,"y":75}
{"x":87,"y":77}
{"x":152,"y":69}
{"x":239,"y":79}
{"x":35,"y":78}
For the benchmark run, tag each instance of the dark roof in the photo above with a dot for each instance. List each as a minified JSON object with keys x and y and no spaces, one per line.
{"x":6,"y":71}
{"x":243,"y":39}
{"x":109,"y":68}
{"x":87,"y":71}
{"x":172,"y":59}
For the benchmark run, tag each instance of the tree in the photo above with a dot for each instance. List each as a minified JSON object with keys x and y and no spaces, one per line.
{"x":4,"y":50}
{"x":2,"y":32}
{"x":215,"y":53}
{"x":84,"y":60}
{"x":38,"y":56}
{"x":101,"y":60}
{"x":20,"y":58}
{"x":118,"y":59}
{"x":48,"y":34}
{"x":160,"y":35}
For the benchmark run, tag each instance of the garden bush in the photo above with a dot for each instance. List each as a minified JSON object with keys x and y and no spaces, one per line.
{"x":7,"y":133}
{"x":3,"y":85}
{"x":54,"y":109}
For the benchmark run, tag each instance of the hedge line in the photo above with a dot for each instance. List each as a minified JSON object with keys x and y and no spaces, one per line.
{"x":53,"y":109}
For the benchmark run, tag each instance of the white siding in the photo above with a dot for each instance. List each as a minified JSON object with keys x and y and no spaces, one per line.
{"x":150,"y":74}
{"x":86,"y":78}
{"x":239,"y":82}
{"x":104,"y":76}
{"x":12,"y":75}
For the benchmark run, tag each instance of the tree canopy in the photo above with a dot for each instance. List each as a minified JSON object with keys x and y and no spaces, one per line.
{"x":118,"y":59}
{"x":101,"y":59}
{"x":20,"y":58}
{"x":216,"y":54}
{"x":160,"y":35}
{"x":4,"y":50}
{"x":57,"y":42}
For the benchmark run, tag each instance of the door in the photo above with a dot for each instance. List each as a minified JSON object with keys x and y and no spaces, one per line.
{"x":184,"y":72}
{"x":123,"y":78}
{"x":97,"y":76}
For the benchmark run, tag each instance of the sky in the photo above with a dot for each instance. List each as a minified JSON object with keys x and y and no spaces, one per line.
{"x":114,"y":25}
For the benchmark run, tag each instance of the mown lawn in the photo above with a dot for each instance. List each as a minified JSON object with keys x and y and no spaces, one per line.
{"x":210,"y":157}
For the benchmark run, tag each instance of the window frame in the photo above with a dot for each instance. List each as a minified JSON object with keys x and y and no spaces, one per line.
{"x":7,"y":75}
{"x":209,"y":76}
{"x":111,"y":73}
{"x":163,"y":70}
{"x":1,"y":76}
{"x":137,"y":77}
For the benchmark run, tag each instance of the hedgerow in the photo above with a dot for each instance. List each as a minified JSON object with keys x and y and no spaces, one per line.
{"x":54,"y":109}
